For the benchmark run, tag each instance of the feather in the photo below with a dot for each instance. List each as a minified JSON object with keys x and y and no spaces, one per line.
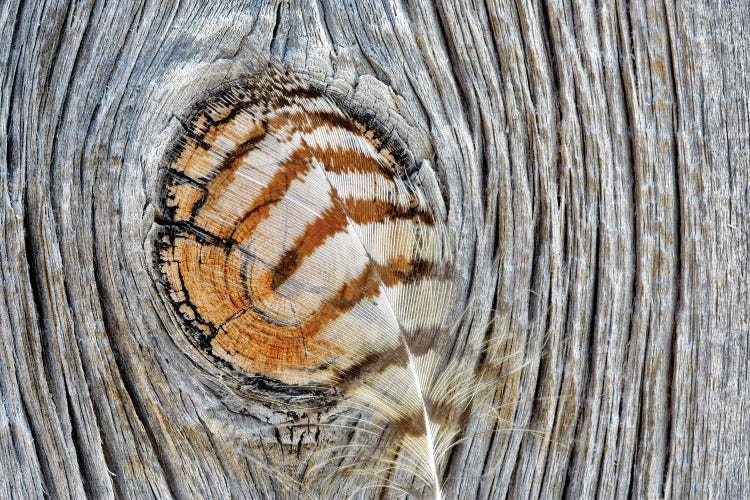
{"x":302,"y":256}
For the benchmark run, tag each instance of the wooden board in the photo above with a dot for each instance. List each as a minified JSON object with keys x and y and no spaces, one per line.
{"x":593,"y":158}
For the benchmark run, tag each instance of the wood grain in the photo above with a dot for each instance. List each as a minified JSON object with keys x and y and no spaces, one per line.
{"x":593,"y":157}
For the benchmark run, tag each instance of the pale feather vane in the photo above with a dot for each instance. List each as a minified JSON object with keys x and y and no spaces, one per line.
{"x":300,"y":254}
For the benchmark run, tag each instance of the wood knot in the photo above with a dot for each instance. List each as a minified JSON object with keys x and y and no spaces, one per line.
{"x":289,"y":228}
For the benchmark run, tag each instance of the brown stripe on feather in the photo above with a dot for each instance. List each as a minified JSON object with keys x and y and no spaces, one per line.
{"x":273,"y":96}
{"x":423,"y":340}
{"x":368,"y":211}
{"x":296,"y":166}
{"x":330,"y":222}
{"x":373,"y":363}
{"x":347,"y":160}
{"x":413,"y":425}
{"x":444,"y":412}
{"x":306,"y":122}
{"x":403,"y":270}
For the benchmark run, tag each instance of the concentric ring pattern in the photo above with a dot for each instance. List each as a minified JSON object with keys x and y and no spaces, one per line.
{"x":294,"y":245}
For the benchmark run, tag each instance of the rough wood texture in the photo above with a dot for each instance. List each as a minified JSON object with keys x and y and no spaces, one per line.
{"x":597,"y":151}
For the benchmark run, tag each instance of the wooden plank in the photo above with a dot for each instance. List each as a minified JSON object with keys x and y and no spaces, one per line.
{"x":593,"y":158}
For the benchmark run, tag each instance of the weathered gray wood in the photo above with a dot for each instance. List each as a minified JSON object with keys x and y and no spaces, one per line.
{"x":597,"y":152}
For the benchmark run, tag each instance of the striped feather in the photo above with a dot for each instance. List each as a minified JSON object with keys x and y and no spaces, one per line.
{"x":299,"y":253}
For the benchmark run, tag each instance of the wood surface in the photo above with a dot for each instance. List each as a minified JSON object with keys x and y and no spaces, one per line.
{"x":593,"y":158}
